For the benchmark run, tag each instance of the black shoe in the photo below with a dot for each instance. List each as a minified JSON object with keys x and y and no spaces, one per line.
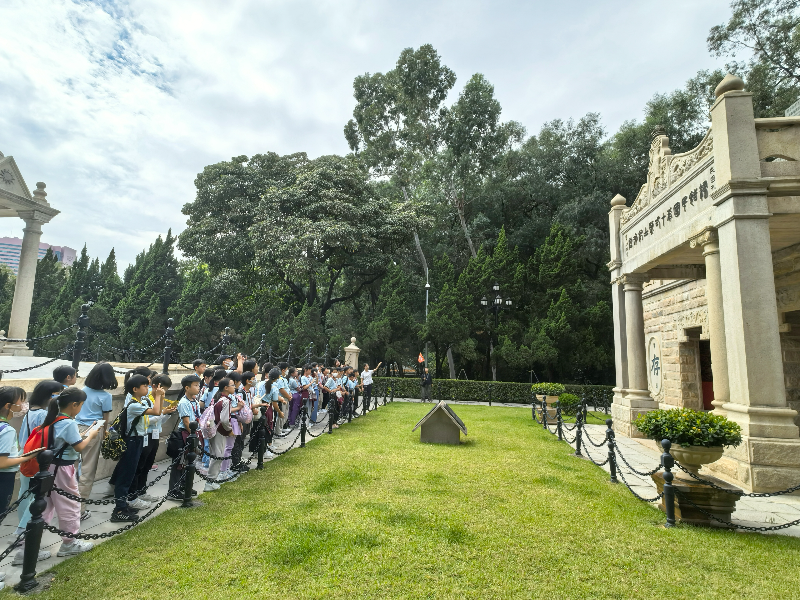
{"x":194,"y":492}
{"x":123,"y":517}
{"x":174,"y":497}
{"x":241,"y":468}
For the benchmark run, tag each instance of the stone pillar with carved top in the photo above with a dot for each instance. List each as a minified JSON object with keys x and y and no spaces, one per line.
{"x":636,"y":398}
{"x":769,"y":457}
{"x":618,"y":299}
{"x":26,"y":276}
{"x":709,"y":241}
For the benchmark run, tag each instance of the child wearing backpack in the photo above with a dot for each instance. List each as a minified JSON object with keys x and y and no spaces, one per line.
{"x":38,"y":402}
{"x":152,"y":438}
{"x":59,"y":431}
{"x":219,"y":443}
{"x":245,"y":394}
{"x":134,"y":419}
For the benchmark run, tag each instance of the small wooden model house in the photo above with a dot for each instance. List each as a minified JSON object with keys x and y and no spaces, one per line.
{"x":441,"y":426}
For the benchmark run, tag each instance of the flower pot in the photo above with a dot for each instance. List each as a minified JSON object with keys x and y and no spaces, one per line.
{"x":692,"y":458}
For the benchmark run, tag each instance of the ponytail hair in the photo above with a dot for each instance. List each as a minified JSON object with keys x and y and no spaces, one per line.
{"x":144,"y":371}
{"x":60,"y":402}
{"x":224,"y":382}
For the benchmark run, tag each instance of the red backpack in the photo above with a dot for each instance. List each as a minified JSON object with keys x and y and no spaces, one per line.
{"x":37,"y":439}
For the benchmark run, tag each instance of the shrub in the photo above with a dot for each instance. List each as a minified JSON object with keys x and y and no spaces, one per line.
{"x":689,"y":428}
{"x":478,"y":391}
{"x":569,"y":404}
{"x":548,"y":389}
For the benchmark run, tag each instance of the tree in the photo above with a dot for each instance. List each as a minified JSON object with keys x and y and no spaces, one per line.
{"x":445,"y":328}
{"x":317,"y":231}
{"x":7,"y":283}
{"x":152,"y":286}
{"x":50,"y":278}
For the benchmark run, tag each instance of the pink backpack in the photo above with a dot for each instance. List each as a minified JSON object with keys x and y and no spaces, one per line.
{"x":245,"y":414}
{"x":207,"y":425}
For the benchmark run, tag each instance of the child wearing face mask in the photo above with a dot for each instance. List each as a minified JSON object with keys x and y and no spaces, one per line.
{"x":38,"y":402}
{"x":218,"y":444}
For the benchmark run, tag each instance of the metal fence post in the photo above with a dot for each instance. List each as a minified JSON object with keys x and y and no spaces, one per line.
{"x":559,"y":421}
{"x":578,"y":426}
{"x":303,"y":417}
{"x":170,"y":334}
{"x":41,"y":485}
{"x":191,"y":457}
{"x":669,"y":490}
{"x":489,"y":391}
{"x":612,"y":459}
{"x":262,"y":438}
{"x":80,"y":337}
{"x":544,"y":412}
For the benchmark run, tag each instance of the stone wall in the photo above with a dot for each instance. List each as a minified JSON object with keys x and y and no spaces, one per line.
{"x":786,"y":264}
{"x":676,"y":312}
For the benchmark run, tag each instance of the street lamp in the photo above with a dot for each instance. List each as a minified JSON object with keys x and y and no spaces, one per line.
{"x":497,"y":304}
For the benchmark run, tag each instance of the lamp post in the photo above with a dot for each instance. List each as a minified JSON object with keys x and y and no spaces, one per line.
{"x":427,"y":293}
{"x":495,"y":305}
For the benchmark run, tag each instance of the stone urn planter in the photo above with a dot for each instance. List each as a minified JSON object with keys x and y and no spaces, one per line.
{"x":692,"y":458}
{"x":551,"y":409}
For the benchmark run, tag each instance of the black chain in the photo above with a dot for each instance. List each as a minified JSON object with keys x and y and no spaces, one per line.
{"x":131,"y":496}
{"x":632,"y":491}
{"x":41,"y":337}
{"x":12,"y":546}
{"x":589,"y":456}
{"x":732,"y":524}
{"x":591,"y":441}
{"x":727,"y":491}
{"x":15,"y":505}
{"x":100,"y":342}
{"x":616,"y":449}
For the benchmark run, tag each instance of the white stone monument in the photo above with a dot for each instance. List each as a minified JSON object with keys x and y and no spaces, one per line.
{"x":705,"y":265}
{"x":17,"y":201}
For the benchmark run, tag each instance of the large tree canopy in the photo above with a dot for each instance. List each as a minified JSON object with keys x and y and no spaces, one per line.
{"x":315,"y":231}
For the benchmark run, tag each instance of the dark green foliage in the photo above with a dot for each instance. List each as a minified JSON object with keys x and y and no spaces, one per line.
{"x":688,"y":427}
{"x":7,"y":282}
{"x":479,"y":391}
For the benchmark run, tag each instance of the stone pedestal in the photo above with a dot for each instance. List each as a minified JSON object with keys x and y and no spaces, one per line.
{"x":716,"y":502}
{"x":351,"y":353}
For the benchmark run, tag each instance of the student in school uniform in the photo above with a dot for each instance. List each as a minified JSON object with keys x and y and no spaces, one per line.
{"x":138,"y":413}
{"x":68,"y":444}
{"x":152,"y":439}
{"x":38,"y":403}
{"x":189,"y":410}
{"x":11,"y":402}
{"x":245,"y":393}
{"x":199,"y":366}
{"x":97,"y":407}
{"x":65,"y":375}
{"x":285,"y":397}
{"x":218,"y":444}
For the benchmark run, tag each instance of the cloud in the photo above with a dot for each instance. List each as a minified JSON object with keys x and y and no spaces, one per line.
{"x":118,"y":105}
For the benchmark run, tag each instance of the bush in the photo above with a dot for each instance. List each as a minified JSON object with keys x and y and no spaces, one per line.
{"x":478,"y":391}
{"x":569,"y":404}
{"x":689,"y":428}
{"x":548,"y":389}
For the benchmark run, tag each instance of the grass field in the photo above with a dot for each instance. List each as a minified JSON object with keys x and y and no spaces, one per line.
{"x":369,"y":512}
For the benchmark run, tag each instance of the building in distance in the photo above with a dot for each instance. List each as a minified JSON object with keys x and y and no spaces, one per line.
{"x":11,"y":247}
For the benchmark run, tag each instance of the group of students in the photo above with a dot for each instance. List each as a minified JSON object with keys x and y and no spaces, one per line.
{"x":74,"y":421}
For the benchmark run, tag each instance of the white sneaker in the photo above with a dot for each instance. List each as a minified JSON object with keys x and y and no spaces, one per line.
{"x":109,"y":491}
{"x":268,"y":455}
{"x":139,"y":504}
{"x":210,"y":487}
{"x":76,"y":547}
{"x":19,"y":557}
{"x":149,"y":498}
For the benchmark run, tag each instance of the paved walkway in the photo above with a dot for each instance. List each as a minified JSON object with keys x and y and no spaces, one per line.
{"x":13,"y":363}
{"x":100,"y":521}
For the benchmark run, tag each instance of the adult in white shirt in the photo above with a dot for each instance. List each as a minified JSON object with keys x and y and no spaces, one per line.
{"x":366,"y":381}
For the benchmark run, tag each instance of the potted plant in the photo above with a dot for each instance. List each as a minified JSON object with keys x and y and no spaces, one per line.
{"x":552,"y":391}
{"x":698,"y":438}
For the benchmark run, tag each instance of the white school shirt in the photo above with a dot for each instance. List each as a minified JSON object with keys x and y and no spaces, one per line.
{"x":366,"y":377}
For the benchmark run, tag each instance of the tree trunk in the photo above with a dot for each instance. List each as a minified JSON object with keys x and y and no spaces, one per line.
{"x":451,"y":363}
{"x":459,"y":204}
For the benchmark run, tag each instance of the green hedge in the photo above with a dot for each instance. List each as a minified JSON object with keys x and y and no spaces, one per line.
{"x":479,"y":391}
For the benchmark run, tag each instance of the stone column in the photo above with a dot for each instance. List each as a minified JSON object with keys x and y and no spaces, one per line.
{"x":769,"y":457}
{"x":618,"y":298}
{"x":716,"y":317}
{"x":351,"y":353}
{"x":636,"y":397}
{"x":26,"y":275}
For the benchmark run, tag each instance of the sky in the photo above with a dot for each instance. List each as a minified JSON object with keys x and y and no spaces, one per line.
{"x":117,"y":105}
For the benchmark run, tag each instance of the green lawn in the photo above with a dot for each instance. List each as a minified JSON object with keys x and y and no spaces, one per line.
{"x":369,"y":512}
